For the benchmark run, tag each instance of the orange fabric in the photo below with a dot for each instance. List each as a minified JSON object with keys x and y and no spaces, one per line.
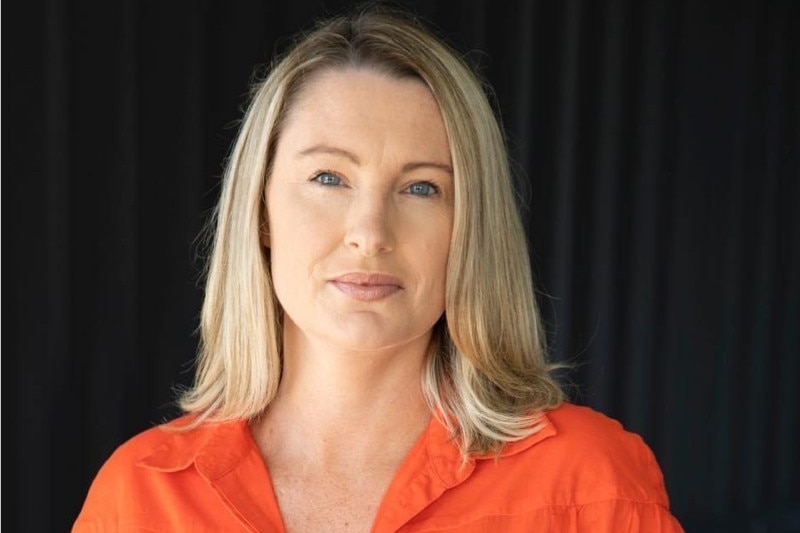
{"x":581,"y":473}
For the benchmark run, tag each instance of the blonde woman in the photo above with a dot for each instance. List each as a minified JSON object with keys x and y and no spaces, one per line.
{"x":371,"y":354}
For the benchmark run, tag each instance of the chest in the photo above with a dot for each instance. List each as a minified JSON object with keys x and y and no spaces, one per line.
{"x":343,"y":502}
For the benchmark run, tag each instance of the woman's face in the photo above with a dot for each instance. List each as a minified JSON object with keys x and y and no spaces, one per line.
{"x":360,"y":203}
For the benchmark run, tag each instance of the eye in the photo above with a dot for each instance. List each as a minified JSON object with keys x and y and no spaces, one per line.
{"x":422,"y":188}
{"x":324,"y":177}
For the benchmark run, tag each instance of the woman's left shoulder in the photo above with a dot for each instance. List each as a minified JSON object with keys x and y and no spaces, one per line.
{"x":596,"y":453}
{"x":582,"y":471}
{"x":582,"y":427}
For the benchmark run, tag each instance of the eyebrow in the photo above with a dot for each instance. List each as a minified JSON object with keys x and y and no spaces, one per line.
{"x":333,"y":150}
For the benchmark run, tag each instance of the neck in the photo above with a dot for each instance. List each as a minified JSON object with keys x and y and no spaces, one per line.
{"x":335,"y":402}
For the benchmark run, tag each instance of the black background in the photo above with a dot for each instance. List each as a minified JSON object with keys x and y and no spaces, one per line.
{"x":657,"y":150}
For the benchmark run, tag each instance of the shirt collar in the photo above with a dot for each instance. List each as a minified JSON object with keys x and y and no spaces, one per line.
{"x":217,"y":447}
{"x":445,"y":457}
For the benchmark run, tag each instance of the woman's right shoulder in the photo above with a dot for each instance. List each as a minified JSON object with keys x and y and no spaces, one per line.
{"x":148,"y":441}
{"x":121,"y":476}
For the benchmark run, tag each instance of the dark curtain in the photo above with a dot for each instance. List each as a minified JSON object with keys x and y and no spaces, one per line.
{"x":656,"y":147}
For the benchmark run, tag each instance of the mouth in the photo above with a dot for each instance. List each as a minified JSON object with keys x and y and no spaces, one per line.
{"x":367,"y":287}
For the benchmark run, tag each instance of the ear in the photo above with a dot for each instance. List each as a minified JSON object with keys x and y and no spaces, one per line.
{"x":265,"y":238}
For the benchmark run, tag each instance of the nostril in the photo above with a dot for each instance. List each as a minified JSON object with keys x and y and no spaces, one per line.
{"x":370,"y":235}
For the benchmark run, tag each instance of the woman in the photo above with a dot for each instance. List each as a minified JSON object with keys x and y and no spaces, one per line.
{"x":371,"y":353}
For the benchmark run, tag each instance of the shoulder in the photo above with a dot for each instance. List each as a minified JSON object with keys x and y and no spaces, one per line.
{"x":587,"y":431}
{"x":158,"y":440}
{"x":591,"y":457}
{"x":579,"y":457}
{"x":583,"y":471}
{"x":121,"y":481}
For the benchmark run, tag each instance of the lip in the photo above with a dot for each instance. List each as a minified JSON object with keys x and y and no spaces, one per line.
{"x":367,"y":286}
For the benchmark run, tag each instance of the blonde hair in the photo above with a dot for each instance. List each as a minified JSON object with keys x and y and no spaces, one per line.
{"x":487,"y":375}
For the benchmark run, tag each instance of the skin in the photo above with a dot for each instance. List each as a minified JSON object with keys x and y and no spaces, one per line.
{"x":360,"y":212}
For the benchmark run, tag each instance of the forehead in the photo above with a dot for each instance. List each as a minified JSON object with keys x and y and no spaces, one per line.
{"x":329,"y":80}
{"x":362,"y":106}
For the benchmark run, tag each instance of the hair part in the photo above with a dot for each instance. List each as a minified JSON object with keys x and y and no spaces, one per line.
{"x":487,"y":376}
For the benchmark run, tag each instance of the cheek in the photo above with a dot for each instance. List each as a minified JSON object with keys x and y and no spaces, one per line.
{"x":433,"y":252}
{"x":300,"y":237}
{"x":289,"y":221}
{"x":441,"y":243}
{"x":283,"y":258}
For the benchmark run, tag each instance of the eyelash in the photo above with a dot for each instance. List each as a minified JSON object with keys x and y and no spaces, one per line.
{"x":320,"y":173}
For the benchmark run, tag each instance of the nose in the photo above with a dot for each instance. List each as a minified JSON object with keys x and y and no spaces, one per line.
{"x":370,"y":224}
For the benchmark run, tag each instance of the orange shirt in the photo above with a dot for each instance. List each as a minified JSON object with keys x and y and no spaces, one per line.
{"x":581,"y":473}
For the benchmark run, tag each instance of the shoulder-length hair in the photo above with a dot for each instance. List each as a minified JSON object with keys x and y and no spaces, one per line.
{"x":487,"y":376}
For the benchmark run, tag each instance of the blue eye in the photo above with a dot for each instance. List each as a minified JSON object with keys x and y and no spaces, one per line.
{"x":423,"y":188}
{"x":327,"y":178}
